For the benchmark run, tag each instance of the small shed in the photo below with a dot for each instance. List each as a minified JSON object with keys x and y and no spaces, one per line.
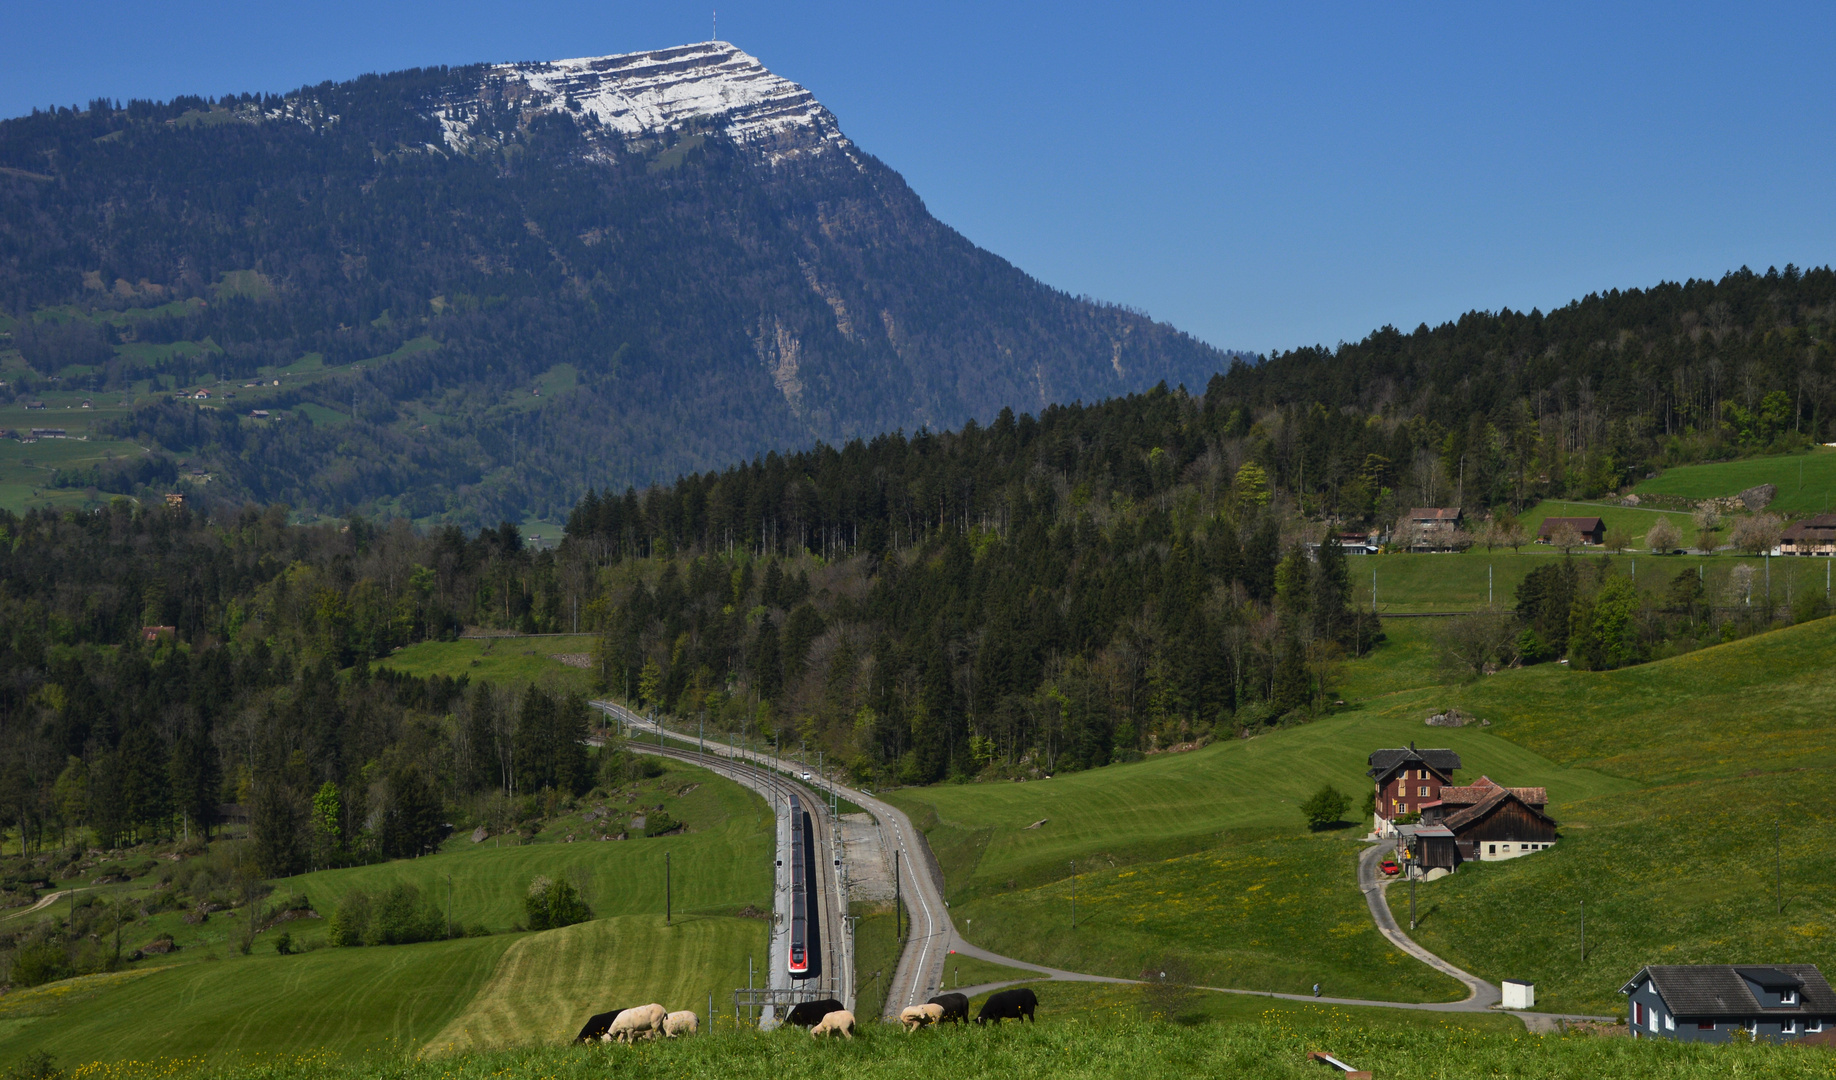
{"x":1518,"y":994}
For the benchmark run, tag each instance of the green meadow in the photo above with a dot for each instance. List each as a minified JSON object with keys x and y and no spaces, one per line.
{"x":1806,"y":481}
{"x":1412,"y":584}
{"x":501,"y":661}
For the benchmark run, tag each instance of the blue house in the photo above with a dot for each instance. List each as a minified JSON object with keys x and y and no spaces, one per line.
{"x":1721,"y":1002}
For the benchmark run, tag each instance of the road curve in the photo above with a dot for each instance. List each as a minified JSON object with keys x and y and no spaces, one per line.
{"x":1481,"y":995}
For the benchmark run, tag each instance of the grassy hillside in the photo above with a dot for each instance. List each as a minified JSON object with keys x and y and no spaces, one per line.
{"x":722,"y":863}
{"x":335,"y":1002}
{"x":1806,"y":482}
{"x":1200,"y":856}
{"x":1273,"y":1048}
{"x":1731,"y":744}
{"x":491,"y":991}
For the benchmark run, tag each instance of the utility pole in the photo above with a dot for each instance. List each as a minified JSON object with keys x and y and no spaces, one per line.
{"x":667,"y":904}
{"x":1778,"y":869}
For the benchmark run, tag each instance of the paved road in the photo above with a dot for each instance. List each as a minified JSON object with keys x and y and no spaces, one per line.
{"x":1480,"y":996}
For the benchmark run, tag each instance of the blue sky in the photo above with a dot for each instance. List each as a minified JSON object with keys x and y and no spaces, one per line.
{"x":1262,"y":175}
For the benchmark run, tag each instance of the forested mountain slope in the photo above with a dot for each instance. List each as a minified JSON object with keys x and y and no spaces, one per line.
{"x":521,"y":280}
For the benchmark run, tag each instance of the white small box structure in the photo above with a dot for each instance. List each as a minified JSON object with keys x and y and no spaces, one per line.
{"x":1519,"y":995}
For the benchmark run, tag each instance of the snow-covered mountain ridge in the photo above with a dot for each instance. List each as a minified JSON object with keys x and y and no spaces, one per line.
{"x":636,"y":94}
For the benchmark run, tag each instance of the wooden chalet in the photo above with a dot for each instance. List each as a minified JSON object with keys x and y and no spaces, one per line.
{"x":1406,"y":779}
{"x":1483,"y":822}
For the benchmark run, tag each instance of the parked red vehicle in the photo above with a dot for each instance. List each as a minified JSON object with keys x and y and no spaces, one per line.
{"x":1388,"y":866}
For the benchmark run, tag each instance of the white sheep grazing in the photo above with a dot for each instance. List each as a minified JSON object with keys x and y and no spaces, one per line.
{"x":681,"y":1023}
{"x":632,"y":1023}
{"x":917,"y":1016}
{"x":840,"y":1020}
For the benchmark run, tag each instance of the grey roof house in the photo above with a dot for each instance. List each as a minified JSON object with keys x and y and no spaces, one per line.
{"x":1720,"y":1002}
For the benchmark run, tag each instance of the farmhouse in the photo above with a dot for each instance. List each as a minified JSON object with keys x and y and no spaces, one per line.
{"x":1591,"y":529}
{"x":1483,"y":822}
{"x":1434,"y":528}
{"x":1406,"y":779}
{"x":1812,"y":536}
{"x":1721,"y":1002}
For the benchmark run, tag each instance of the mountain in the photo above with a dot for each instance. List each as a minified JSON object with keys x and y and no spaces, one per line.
{"x":477,"y":292}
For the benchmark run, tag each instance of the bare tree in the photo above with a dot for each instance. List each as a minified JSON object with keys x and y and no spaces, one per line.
{"x":1708,"y":519}
{"x":1758,"y":533}
{"x":1662,"y":536}
{"x":1472,"y":643}
{"x":1565,"y":536}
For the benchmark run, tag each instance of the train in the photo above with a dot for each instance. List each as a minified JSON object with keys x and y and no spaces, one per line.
{"x":805,"y":933}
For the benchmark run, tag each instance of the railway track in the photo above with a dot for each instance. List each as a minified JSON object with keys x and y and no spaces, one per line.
{"x":834,"y":953}
{"x":932,"y":935}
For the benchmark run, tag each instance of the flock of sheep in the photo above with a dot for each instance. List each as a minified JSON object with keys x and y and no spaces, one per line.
{"x":823,"y":1018}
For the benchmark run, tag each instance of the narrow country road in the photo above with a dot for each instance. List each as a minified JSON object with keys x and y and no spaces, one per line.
{"x":1481,"y":995}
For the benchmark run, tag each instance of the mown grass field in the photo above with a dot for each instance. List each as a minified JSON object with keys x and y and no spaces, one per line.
{"x":546,"y":985}
{"x":336,"y":1002}
{"x":501,"y":661}
{"x":1806,"y":482}
{"x":1273,"y":1048}
{"x":1634,"y":521}
{"x":1464,"y":582}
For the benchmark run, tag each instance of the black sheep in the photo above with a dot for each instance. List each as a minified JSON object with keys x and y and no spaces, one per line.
{"x":955,"y":1007}
{"x":596,"y":1026}
{"x":1014,"y":1004}
{"x":810,"y":1013}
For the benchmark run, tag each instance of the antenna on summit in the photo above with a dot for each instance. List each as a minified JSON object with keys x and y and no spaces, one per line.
{"x":716,"y":12}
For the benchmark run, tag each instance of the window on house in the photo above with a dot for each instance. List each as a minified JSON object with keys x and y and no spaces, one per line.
{"x":1670,"y":1023}
{"x":1638,"y":1014}
{"x":1791,"y":1027}
{"x":1705,"y":1027}
{"x":1491,"y":849}
{"x":1788,"y":997}
{"x":1752,"y":1026}
{"x":1813,"y":1025}
{"x":1423,"y":792}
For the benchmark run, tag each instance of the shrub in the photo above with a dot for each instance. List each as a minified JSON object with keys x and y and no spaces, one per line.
{"x":657,"y":822}
{"x":284,"y":945}
{"x":1326,"y":807}
{"x":350,"y":924}
{"x":38,"y":964}
{"x":401,"y":917}
{"x":553,"y":904}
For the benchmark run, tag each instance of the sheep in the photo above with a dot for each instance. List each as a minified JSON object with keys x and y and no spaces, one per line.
{"x":917,"y":1016}
{"x":1015,"y":1004}
{"x":643,"y":1020}
{"x":810,"y":1013}
{"x":955,"y":1007}
{"x":681,"y":1023}
{"x":841,"y":1020}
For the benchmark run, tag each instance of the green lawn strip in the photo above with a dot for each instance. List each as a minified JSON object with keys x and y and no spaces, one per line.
{"x":1174,"y":804}
{"x":1279,"y":913}
{"x":1464,"y":582}
{"x":1408,"y":659}
{"x":961,"y":971}
{"x":1758,"y":704}
{"x":502,"y":661}
{"x":384,"y":1001}
{"x":1634,"y":521}
{"x":1806,"y":482}
{"x":1084,"y":1003}
{"x":719,"y":869}
{"x":1678,"y":874}
{"x":546,"y":985}
{"x":876,"y":954}
{"x":1275,"y":1048}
